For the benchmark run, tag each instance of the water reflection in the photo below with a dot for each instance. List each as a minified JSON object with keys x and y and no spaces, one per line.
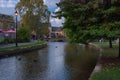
{"x":7,"y":68}
{"x":59,"y":61}
{"x":81,"y":59}
{"x":32,"y":66}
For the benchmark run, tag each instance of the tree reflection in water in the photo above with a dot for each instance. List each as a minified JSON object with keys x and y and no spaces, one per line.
{"x":64,"y":62}
{"x":31,"y":66}
{"x":81,"y":59}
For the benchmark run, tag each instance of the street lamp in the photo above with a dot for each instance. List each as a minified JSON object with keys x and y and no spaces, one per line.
{"x":16,"y":14}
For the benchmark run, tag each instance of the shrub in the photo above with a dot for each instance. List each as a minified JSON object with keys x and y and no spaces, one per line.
{"x":1,"y":39}
{"x":23,"y":34}
{"x":8,"y":40}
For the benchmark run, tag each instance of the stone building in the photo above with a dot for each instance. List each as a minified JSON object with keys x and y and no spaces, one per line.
{"x":57,"y":32}
{"x":6,"y":22}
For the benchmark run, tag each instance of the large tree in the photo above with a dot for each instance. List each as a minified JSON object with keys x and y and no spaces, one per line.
{"x":112,"y":13}
{"x":33,"y":13}
{"x":87,"y":20}
{"x":79,"y":17}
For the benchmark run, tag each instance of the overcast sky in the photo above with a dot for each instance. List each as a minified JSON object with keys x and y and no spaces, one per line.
{"x":7,"y":7}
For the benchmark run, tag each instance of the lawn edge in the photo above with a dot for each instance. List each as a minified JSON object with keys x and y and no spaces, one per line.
{"x":98,"y":65}
{"x":22,"y":50}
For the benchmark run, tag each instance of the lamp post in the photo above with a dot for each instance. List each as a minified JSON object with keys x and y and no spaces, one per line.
{"x":16,"y":43}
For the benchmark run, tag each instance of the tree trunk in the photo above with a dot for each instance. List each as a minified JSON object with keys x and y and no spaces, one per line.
{"x":110,"y":43}
{"x":119,"y":47}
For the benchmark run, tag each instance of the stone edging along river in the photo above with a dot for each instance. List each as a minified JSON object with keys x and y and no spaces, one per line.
{"x":21,"y":50}
{"x":98,"y":64}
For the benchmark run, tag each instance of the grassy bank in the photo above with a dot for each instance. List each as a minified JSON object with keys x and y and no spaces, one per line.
{"x":110,"y":63}
{"x":23,"y":46}
{"x":106,"y":50}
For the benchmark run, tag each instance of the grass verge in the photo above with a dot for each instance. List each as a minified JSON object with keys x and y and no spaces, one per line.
{"x":106,"y":50}
{"x":110,"y":63}
{"x":23,"y":46}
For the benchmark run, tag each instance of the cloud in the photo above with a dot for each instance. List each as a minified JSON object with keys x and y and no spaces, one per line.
{"x":7,"y":10}
{"x":53,"y":8}
{"x":8,"y":3}
{"x":51,"y":3}
{"x":57,"y":9}
{"x":55,"y":21}
{"x":7,"y":7}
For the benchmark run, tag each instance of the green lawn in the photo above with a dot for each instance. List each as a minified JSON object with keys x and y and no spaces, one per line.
{"x":107,"y":74}
{"x":23,"y":46}
{"x":105,"y":44}
{"x":110,"y":66}
{"x":106,"y":50}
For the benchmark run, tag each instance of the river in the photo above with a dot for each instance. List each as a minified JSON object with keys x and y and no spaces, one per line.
{"x":58,"y":61}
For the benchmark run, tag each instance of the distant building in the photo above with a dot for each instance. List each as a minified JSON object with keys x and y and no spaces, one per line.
{"x":57,"y":32}
{"x":56,"y":29}
{"x":6,"y":22}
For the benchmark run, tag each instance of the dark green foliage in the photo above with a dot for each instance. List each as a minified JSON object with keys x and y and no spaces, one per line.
{"x":23,"y":34}
{"x":90,"y":20}
{"x":8,"y":41}
{"x":79,"y":19}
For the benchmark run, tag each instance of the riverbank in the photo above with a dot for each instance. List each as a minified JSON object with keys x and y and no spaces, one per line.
{"x":98,"y":65}
{"x":110,"y":63}
{"x":22,"y":48}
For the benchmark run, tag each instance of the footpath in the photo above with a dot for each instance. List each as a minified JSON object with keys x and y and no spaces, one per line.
{"x":13,"y":44}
